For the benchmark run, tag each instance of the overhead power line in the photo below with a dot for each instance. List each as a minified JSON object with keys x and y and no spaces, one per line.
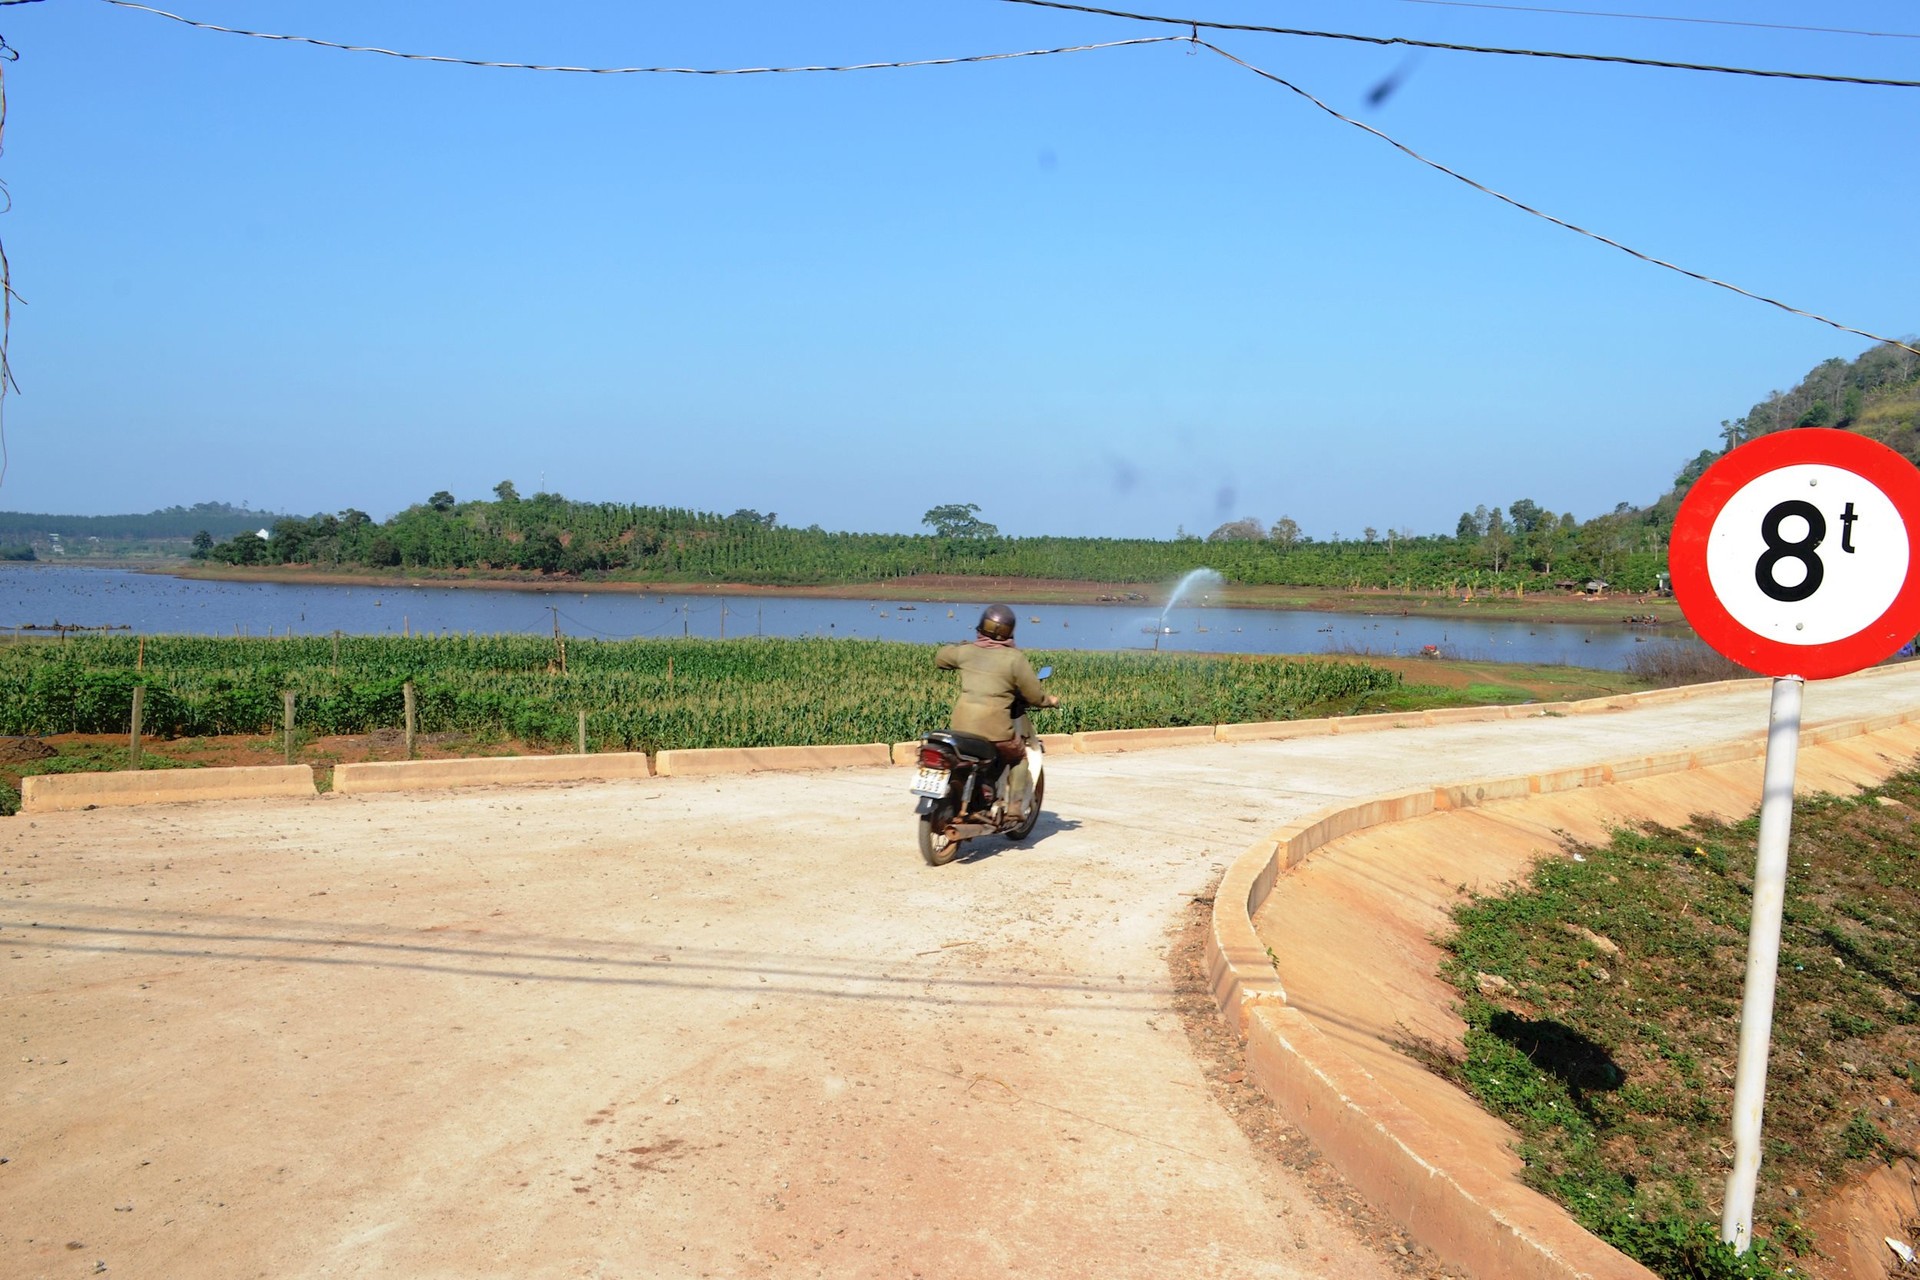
{"x":631,"y":71}
{"x":1558,"y":222}
{"x":1667,"y":17}
{"x":1202,"y":24}
{"x":1193,"y":37}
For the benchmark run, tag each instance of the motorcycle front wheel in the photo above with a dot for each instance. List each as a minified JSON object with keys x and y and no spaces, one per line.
{"x":936,"y":846}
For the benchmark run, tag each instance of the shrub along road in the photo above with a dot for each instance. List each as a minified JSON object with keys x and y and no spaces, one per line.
{"x":681,"y":1027}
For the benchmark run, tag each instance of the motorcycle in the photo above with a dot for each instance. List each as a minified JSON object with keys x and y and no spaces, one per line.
{"x":961,"y":785}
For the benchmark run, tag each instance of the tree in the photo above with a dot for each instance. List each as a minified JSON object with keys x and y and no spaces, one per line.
{"x":958,"y":520}
{"x":1468,"y":529}
{"x":1285,"y":533}
{"x":1691,"y":473}
{"x":1733,"y":433}
{"x":1369,"y":535}
{"x":1525,"y":515}
{"x":441,"y":501}
{"x":1245,"y":529}
{"x":202,"y":543}
{"x":505,"y":492}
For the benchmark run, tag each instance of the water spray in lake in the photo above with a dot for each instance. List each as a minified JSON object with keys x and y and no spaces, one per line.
{"x":1198,"y":581}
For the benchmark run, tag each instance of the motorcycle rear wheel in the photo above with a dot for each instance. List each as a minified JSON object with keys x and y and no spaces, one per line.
{"x":1026,"y":824}
{"x":937,"y":847}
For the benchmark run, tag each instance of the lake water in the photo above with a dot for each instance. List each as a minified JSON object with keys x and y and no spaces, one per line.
{"x":155,"y":604}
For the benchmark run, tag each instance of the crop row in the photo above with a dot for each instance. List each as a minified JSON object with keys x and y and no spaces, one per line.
{"x":640,"y":695}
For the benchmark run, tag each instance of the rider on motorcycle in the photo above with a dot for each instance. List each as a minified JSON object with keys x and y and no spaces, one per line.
{"x":993,"y":677}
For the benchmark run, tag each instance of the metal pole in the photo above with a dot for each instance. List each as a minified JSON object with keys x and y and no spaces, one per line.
{"x":1763,"y":959}
{"x":133,"y":741}
{"x":406,"y":695}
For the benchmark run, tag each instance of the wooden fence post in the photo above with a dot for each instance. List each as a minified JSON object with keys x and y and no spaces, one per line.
{"x":133,"y":742}
{"x":582,"y":739}
{"x":406,"y":692}
{"x":286,"y":718}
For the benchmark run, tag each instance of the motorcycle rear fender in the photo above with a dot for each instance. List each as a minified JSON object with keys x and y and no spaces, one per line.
{"x":925,"y":806}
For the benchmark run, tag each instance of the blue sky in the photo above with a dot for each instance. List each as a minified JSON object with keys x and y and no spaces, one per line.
{"x":1105,"y":293}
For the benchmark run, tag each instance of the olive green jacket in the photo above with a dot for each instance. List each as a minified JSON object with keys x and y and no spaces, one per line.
{"x":990,"y":679}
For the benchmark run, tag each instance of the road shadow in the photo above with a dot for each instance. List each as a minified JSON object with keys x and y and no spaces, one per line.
{"x":981,"y":848}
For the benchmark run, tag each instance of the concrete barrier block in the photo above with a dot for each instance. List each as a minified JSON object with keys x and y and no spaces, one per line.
{"x":906,"y":753}
{"x":1660,"y":697}
{"x":700,"y":761}
{"x":1730,"y":753}
{"x":1143,"y":739}
{"x":1472,"y":715}
{"x":1592,"y":775}
{"x":1543,"y":709}
{"x":1240,"y":971}
{"x":1650,"y":766}
{"x":55,"y":792}
{"x":1466,"y":795}
{"x":1588,"y":706}
{"x":1060,"y":743}
{"x":1832,"y":731}
{"x":1381,"y":720}
{"x":1272,"y":730}
{"x":412,"y":775}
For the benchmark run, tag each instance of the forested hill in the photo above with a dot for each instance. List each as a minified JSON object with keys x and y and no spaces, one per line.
{"x":170,"y":524}
{"x":1877,"y":395}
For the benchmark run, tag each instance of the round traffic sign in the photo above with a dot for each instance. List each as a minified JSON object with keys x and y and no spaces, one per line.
{"x":1794,"y":554}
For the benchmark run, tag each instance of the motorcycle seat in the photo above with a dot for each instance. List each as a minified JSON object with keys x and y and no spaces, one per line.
{"x":971,"y":746}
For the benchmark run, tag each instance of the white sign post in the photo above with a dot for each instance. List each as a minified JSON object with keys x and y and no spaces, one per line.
{"x":1792,"y":556}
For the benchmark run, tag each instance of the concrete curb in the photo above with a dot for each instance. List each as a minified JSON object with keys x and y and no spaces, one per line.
{"x":77,"y":791}
{"x":702,"y":761}
{"x":1144,"y":739}
{"x":408,"y":775}
{"x":1475,"y":1218}
{"x":55,"y":792}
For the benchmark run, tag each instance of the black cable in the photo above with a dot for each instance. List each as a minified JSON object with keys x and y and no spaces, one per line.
{"x":1197,"y":24}
{"x":1558,"y":222}
{"x":1667,"y":17}
{"x":630,"y":71}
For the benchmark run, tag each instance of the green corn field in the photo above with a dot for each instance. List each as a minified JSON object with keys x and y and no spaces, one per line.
{"x":639,"y":695}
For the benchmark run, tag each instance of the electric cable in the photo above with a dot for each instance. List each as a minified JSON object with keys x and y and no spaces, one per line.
{"x":1202,"y":24}
{"x":1667,"y":17}
{"x":629,"y":71}
{"x":1558,"y":222}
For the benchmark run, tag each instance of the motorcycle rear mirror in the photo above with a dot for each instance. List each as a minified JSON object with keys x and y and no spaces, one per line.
{"x":1043,"y":673}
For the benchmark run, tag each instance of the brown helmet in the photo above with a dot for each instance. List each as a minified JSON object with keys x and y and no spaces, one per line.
{"x":996,"y":622}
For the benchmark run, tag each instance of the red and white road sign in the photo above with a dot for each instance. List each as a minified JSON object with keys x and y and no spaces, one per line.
{"x":1795,"y":554}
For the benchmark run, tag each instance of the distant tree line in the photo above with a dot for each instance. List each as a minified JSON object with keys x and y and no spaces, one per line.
{"x":218,"y":519}
{"x":551,"y":534}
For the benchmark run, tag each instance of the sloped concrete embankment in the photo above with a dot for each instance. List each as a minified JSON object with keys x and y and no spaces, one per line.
{"x":1322,"y":952}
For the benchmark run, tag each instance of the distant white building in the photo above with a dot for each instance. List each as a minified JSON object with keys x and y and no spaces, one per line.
{"x":263,"y":535}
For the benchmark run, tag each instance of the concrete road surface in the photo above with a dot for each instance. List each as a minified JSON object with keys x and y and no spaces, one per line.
{"x":675,"y":1028}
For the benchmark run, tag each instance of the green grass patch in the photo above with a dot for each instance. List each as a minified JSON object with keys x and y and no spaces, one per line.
{"x":1611,"y":1047}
